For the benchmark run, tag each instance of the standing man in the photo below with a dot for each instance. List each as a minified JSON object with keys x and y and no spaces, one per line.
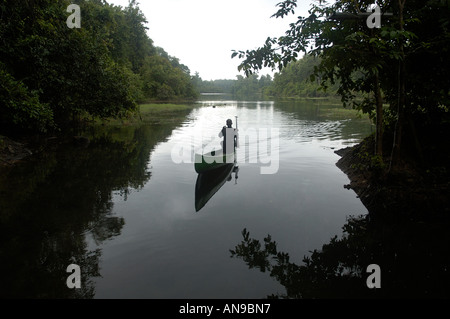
{"x":229,"y":135}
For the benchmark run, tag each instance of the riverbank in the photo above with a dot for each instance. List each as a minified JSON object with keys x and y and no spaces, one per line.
{"x":150,"y":113}
{"x":408,"y":193}
{"x":16,"y":149}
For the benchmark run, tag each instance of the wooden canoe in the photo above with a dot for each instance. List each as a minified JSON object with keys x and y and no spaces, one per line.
{"x":212,"y":160}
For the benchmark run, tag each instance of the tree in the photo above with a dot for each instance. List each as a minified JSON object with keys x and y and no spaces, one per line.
{"x":69,"y":71}
{"x":52,"y":75}
{"x":381,"y":62}
{"x":165,"y":78}
{"x":21,"y":107}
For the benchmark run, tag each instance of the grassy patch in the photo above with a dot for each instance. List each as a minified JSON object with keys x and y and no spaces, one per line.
{"x":341,"y":113}
{"x":164,"y":108}
{"x":150,"y":114}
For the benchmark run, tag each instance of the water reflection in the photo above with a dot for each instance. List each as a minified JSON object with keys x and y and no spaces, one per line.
{"x":64,"y":205}
{"x":209,"y":182}
{"x":51,"y":206}
{"x":413,"y":259}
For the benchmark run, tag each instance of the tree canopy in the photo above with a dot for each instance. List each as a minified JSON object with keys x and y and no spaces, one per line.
{"x":403,"y":64}
{"x":52,"y":74}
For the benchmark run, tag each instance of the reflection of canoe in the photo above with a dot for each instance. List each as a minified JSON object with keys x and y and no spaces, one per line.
{"x":208,"y":183}
{"x":212,"y":160}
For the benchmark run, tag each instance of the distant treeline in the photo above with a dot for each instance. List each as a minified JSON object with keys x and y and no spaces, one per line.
{"x":252,"y":86}
{"x":51,"y":74}
{"x":294,"y":81}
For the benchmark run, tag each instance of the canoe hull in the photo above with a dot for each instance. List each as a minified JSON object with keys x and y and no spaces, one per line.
{"x":212,"y":160}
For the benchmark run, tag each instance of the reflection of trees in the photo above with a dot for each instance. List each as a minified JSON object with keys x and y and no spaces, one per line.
{"x":48,"y":206}
{"x":413,"y":258}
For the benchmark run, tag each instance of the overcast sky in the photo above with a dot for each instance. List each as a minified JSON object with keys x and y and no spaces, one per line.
{"x":203,"y":33}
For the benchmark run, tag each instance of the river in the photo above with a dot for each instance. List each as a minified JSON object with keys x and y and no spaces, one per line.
{"x":125,"y":208}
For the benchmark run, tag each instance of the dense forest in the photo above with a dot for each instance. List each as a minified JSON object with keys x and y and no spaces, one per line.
{"x":52,"y":74}
{"x":293,"y":81}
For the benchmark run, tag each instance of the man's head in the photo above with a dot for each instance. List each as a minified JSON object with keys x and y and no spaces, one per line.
{"x":229,"y":123}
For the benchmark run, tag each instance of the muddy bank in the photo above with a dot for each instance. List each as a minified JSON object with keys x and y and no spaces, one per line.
{"x":404,"y":193}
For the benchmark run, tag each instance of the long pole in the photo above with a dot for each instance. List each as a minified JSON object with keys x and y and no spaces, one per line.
{"x":237,"y":134}
{"x":236,"y":168}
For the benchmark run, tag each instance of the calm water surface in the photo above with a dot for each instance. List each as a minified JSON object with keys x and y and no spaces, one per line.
{"x":124,"y":206}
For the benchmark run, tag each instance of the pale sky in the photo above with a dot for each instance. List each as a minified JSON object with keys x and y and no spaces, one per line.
{"x":203,"y":33}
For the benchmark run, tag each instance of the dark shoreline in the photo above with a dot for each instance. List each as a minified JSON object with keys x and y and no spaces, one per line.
{"x":406,"y":230}
{"x":401,"y":195}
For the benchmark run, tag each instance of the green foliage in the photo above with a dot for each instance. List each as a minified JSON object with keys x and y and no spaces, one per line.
{"x":52,"y":74}
{"x":165,"y":78}
{"x":297,"y":79}
{"x":403,"y":64}
{"x":371,"y":163}
{"x":21,"y":107}
{"x":251,"y":87}
{"x":215,"y":86}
